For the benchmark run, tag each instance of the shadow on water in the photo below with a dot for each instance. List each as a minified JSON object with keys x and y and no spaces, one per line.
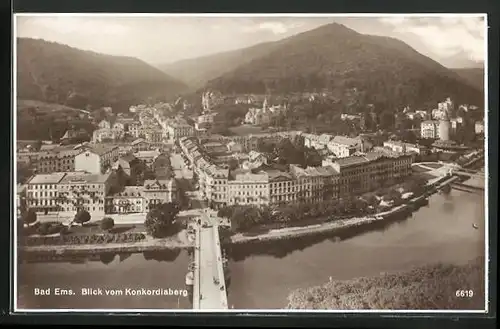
{"x":107,"y":257}
{"x":104,"y":257}
{"x":282,"y":248}
{"x":162,"y":256}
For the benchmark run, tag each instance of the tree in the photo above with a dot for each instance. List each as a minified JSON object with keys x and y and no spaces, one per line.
{"x":107,"y":223}
{"x":160,"y":220}
{"x":387,"y":120}
{"x":82,"y":217}
{"x":29,"y":217}
{"x":233,"y":164}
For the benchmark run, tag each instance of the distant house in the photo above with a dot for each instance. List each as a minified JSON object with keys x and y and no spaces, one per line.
{"x":71,"y":134}
{"x":147,"y":156}
{"x":140,"y":145}
{"x":104,"y":124}
{"x":126,"y":162}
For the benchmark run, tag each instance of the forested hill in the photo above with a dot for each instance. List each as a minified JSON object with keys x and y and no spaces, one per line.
{"x":56,"y":73}
{"x":335,"y":58}
{"x":474,"y":76}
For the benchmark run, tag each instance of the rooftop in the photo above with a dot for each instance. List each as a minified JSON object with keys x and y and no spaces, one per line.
{"x":345,"y":140}
{"x":53,"y":178}
{"x":83,"y":177}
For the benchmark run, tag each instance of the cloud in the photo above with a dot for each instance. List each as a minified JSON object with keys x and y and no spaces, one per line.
{"x":445,"y":36}
{"x":274,"y":27}
{"x":80,"y":25}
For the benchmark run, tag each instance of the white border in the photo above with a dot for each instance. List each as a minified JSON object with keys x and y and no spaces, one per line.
{"x":14,"y":206}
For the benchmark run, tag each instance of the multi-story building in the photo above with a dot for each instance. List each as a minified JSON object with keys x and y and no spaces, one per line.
{"x":134,"y":129}
{"x":103,"y":134}
{"x":178,"y":129}
{"x":343,"y":146}
{"x":159,"y":191}
{"x":129,"y":200}
{"x":429,"y":129}
{"x":97,"y":159}
{"x":148,"y":157}
{"x":359,"y":174}
{"x":140,"y":145}
{"x":401,"y":147}
{"x":245,"y":187}
{"x":42,"y":193}
{"x":154,"y":136}
{"x":48,"y":162}
{"x":126,"y":162}
{"x":81,"y":190}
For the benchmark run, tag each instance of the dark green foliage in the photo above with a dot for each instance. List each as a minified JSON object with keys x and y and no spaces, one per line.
{"x":291,"y":152}
{"x":335,"y":58}
{"x":107,"y":223}
{"x":160,"y":221}
{"x":82,"y":216}
{"x":83,"y":239}
{"x":57,"y":73}
{"x":432,"y":287}
{"x":473,"y":76}
{"x":29,"y":217}
{"x":49,"y":228}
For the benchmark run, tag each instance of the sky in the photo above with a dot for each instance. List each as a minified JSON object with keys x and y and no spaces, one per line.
{"x":453,"y":41}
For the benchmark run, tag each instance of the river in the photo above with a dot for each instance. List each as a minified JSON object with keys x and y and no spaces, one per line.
{"x":263,"y":275}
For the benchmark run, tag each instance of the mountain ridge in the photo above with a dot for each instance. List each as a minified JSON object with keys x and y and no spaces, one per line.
{"x":335,"y":57}
{"x":57,"y":73}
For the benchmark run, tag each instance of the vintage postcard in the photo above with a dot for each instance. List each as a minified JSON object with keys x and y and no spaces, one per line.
{"x":264,"y":162}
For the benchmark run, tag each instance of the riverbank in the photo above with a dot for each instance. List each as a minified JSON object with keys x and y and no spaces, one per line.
{"x":341,"y":224}
{"x":178,"y":241}
{"x":429,"y":287}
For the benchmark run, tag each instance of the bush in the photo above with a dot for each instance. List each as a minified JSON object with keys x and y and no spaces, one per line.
{"x":29,"y":217}
{"x":83,"y":239}
{"x":82,"y":217}
{"x":49,"y":228}
{"x":43,"y":229}
{"x":107,"y":223}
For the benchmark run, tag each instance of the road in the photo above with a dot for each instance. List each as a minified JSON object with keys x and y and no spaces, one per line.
{"x":211,"y":278}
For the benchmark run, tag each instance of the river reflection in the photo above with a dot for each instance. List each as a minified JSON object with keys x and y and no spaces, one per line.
{"x":263,"y":274}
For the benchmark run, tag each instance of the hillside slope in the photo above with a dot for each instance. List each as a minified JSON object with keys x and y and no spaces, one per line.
{"x":196,"y":72}
{"x":336,"y":58}
{"x":474,"y":76}
{"x":57,"y":73}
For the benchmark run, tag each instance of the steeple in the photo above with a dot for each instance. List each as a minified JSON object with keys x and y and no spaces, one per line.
{"x":264,"y":106}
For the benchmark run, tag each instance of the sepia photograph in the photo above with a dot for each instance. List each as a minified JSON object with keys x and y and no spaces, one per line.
{"x":250,"y":162}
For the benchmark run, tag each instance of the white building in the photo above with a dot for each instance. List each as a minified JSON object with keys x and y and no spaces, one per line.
{"x":86,"y":191}
{"x":104,"y":124}
{"x":429,"y":129}
{"x":343,"y":146}
{"x":42,"y":193}
{"x":97,"y":159}
{"x":479,"y":127}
